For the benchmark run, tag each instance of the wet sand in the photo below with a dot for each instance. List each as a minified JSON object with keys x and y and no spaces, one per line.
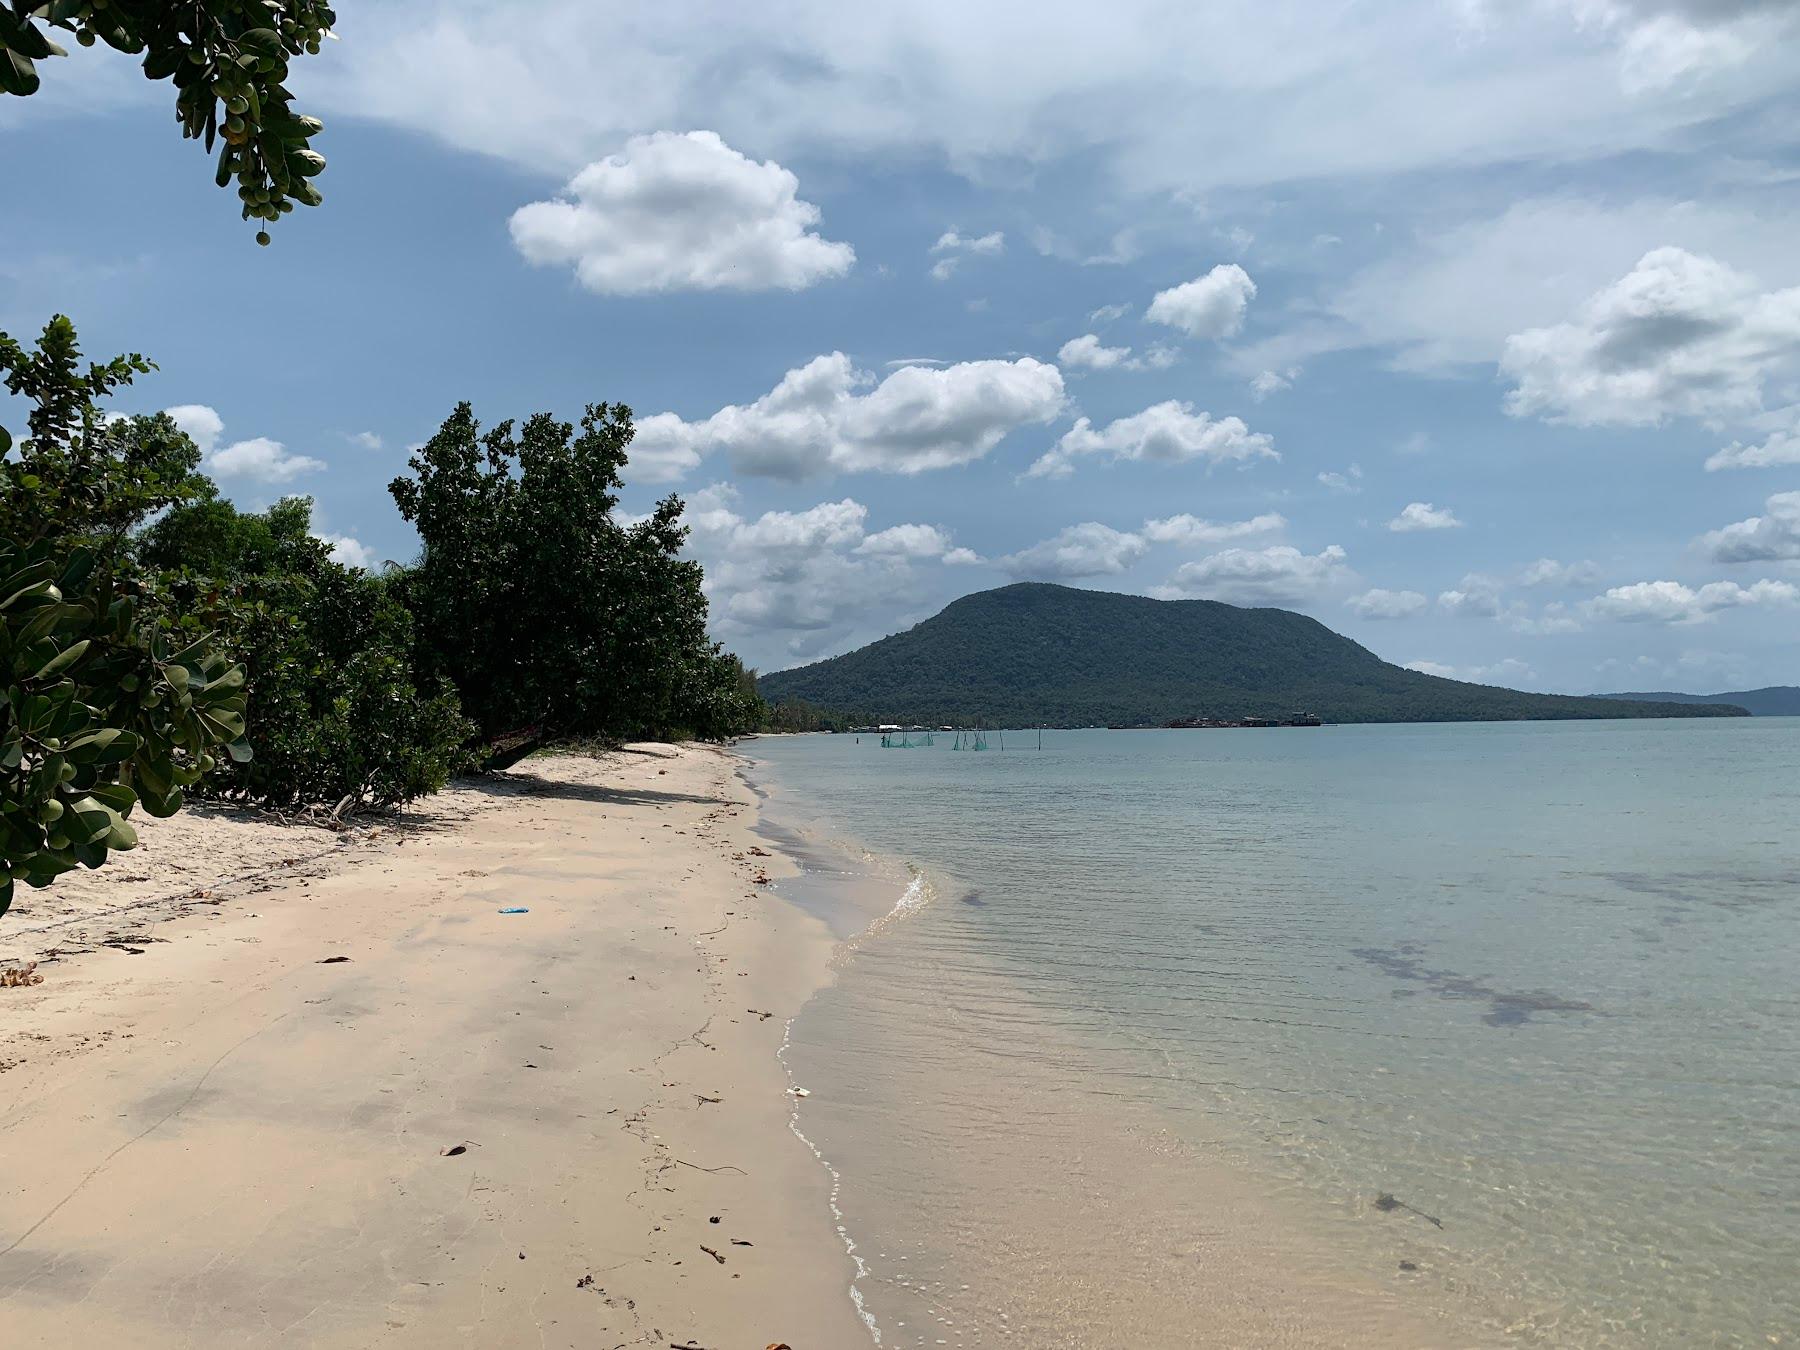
{"x":473,"y":1129}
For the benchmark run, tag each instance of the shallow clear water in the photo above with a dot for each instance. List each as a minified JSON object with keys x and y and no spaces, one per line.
{"x":1536,"y":981}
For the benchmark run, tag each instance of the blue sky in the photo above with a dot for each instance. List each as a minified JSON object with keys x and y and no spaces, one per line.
{"x":1470,"y":329}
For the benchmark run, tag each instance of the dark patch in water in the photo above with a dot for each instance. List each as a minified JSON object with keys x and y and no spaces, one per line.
{"x":1722,"y":888}
{"x":1506,"y":1008}
{"x":973,"y":898}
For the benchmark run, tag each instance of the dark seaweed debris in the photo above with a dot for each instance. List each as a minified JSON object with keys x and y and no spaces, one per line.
{"x":1387,"y":1203}
{"x":1506,"y":1008}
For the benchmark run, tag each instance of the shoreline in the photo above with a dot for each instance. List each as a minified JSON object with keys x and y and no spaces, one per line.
{"x":966,"y":1244}
{"x":343,"y":1097}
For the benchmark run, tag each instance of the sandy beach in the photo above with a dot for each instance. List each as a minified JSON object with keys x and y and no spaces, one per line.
{"x":284,"y":1086}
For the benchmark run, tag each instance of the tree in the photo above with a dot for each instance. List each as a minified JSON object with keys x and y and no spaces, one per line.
{"x":228,"y":60}
{"x":84,"y":474}
{"x":336,"y":712}
{"x":101,"y":710}
{"x":553,"y":619}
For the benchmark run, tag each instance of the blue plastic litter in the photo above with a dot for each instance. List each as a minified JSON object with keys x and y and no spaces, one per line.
{"x":516,"y":909}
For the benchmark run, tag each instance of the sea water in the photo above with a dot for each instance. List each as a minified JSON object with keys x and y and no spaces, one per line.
{"x":1163,"y":1038}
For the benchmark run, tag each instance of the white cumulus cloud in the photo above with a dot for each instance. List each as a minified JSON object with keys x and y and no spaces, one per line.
{"x":1210,"y":306}
{"x":827,"y":416}
{"x":1476,"y":596}
{"x":1171,"y":432}
{"x":1268,"y":382}
{"x":907,"y":541}
{"x":260,"y":460}
{"x":1773,"y":536}
{"x":952,"y":247}
{"x":1781,"y":449}
{"x":202,"y":424}
{"x":350,"y":552}
{"x":1423,"y":516}
{"x":1680,"y":335}
{"x":681,"y":213}
{"x":1347,"y":482}
{"x":1278,"y":575}
{"x":791,"y":582}
{"x":1385,"y":604}
{"x":1086,"y":550}
{"x":1191,"y":530}
{"x":1550,"y":572}
{"x":1674,"y":603}
{"x":1087,"y":353}
{"x":1508,"y":671}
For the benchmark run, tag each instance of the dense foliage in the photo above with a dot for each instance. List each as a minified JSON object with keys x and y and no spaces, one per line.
{"x":100,"y":713}
{"x":794,"y":714}
{"x":227,"y":59}
{"x":336,"y":714}
{"x":1035,"y":654}
{"x":104,"y":707}
{"x":553,"y":618}
{"x":145,"y":622}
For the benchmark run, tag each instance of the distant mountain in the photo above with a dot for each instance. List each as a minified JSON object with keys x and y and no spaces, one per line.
{"x":1032,"y":653}
{"x":1778,"y":700}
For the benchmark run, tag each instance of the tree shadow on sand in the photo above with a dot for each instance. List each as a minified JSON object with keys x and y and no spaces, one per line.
{"x":517,"y":784}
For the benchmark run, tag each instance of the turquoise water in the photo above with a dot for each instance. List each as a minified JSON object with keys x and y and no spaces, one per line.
{"x":1537,"y":982}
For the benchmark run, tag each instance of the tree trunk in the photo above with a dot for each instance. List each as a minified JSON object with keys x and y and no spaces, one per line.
{"x":504,"y":754}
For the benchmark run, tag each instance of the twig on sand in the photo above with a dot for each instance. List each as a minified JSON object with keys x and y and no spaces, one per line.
{"x":710,"y":1252}
{"x":1386,"y":1202}
{"x":726,"y":1167}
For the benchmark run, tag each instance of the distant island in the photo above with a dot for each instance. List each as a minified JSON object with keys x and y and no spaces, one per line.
{"x":1778,"y":700}
{"x":1036,"y":654}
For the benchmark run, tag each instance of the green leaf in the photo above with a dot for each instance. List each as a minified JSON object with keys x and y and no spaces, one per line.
{"x":109,"y":745}
{"x":22,"y":36}
{"x":115,"y":795}
{"x":159,"y":64}
{"x":86,"y":821}
{"x":17,"y":75}
{"x":123,"y":835}
{"x":40,"y":588}
{"x":63,"y":660}
{"x":161,"y":805}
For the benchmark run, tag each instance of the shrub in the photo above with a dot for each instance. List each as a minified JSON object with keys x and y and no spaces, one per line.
{"x":335,"y":710}
{"x":100,"y":714}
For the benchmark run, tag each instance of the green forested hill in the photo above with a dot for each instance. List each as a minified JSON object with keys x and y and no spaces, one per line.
{"x":1039,"y":654}
{"x":1778,"y":700}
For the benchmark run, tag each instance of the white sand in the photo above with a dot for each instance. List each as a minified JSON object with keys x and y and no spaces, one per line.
{"x":221,"y":1141}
